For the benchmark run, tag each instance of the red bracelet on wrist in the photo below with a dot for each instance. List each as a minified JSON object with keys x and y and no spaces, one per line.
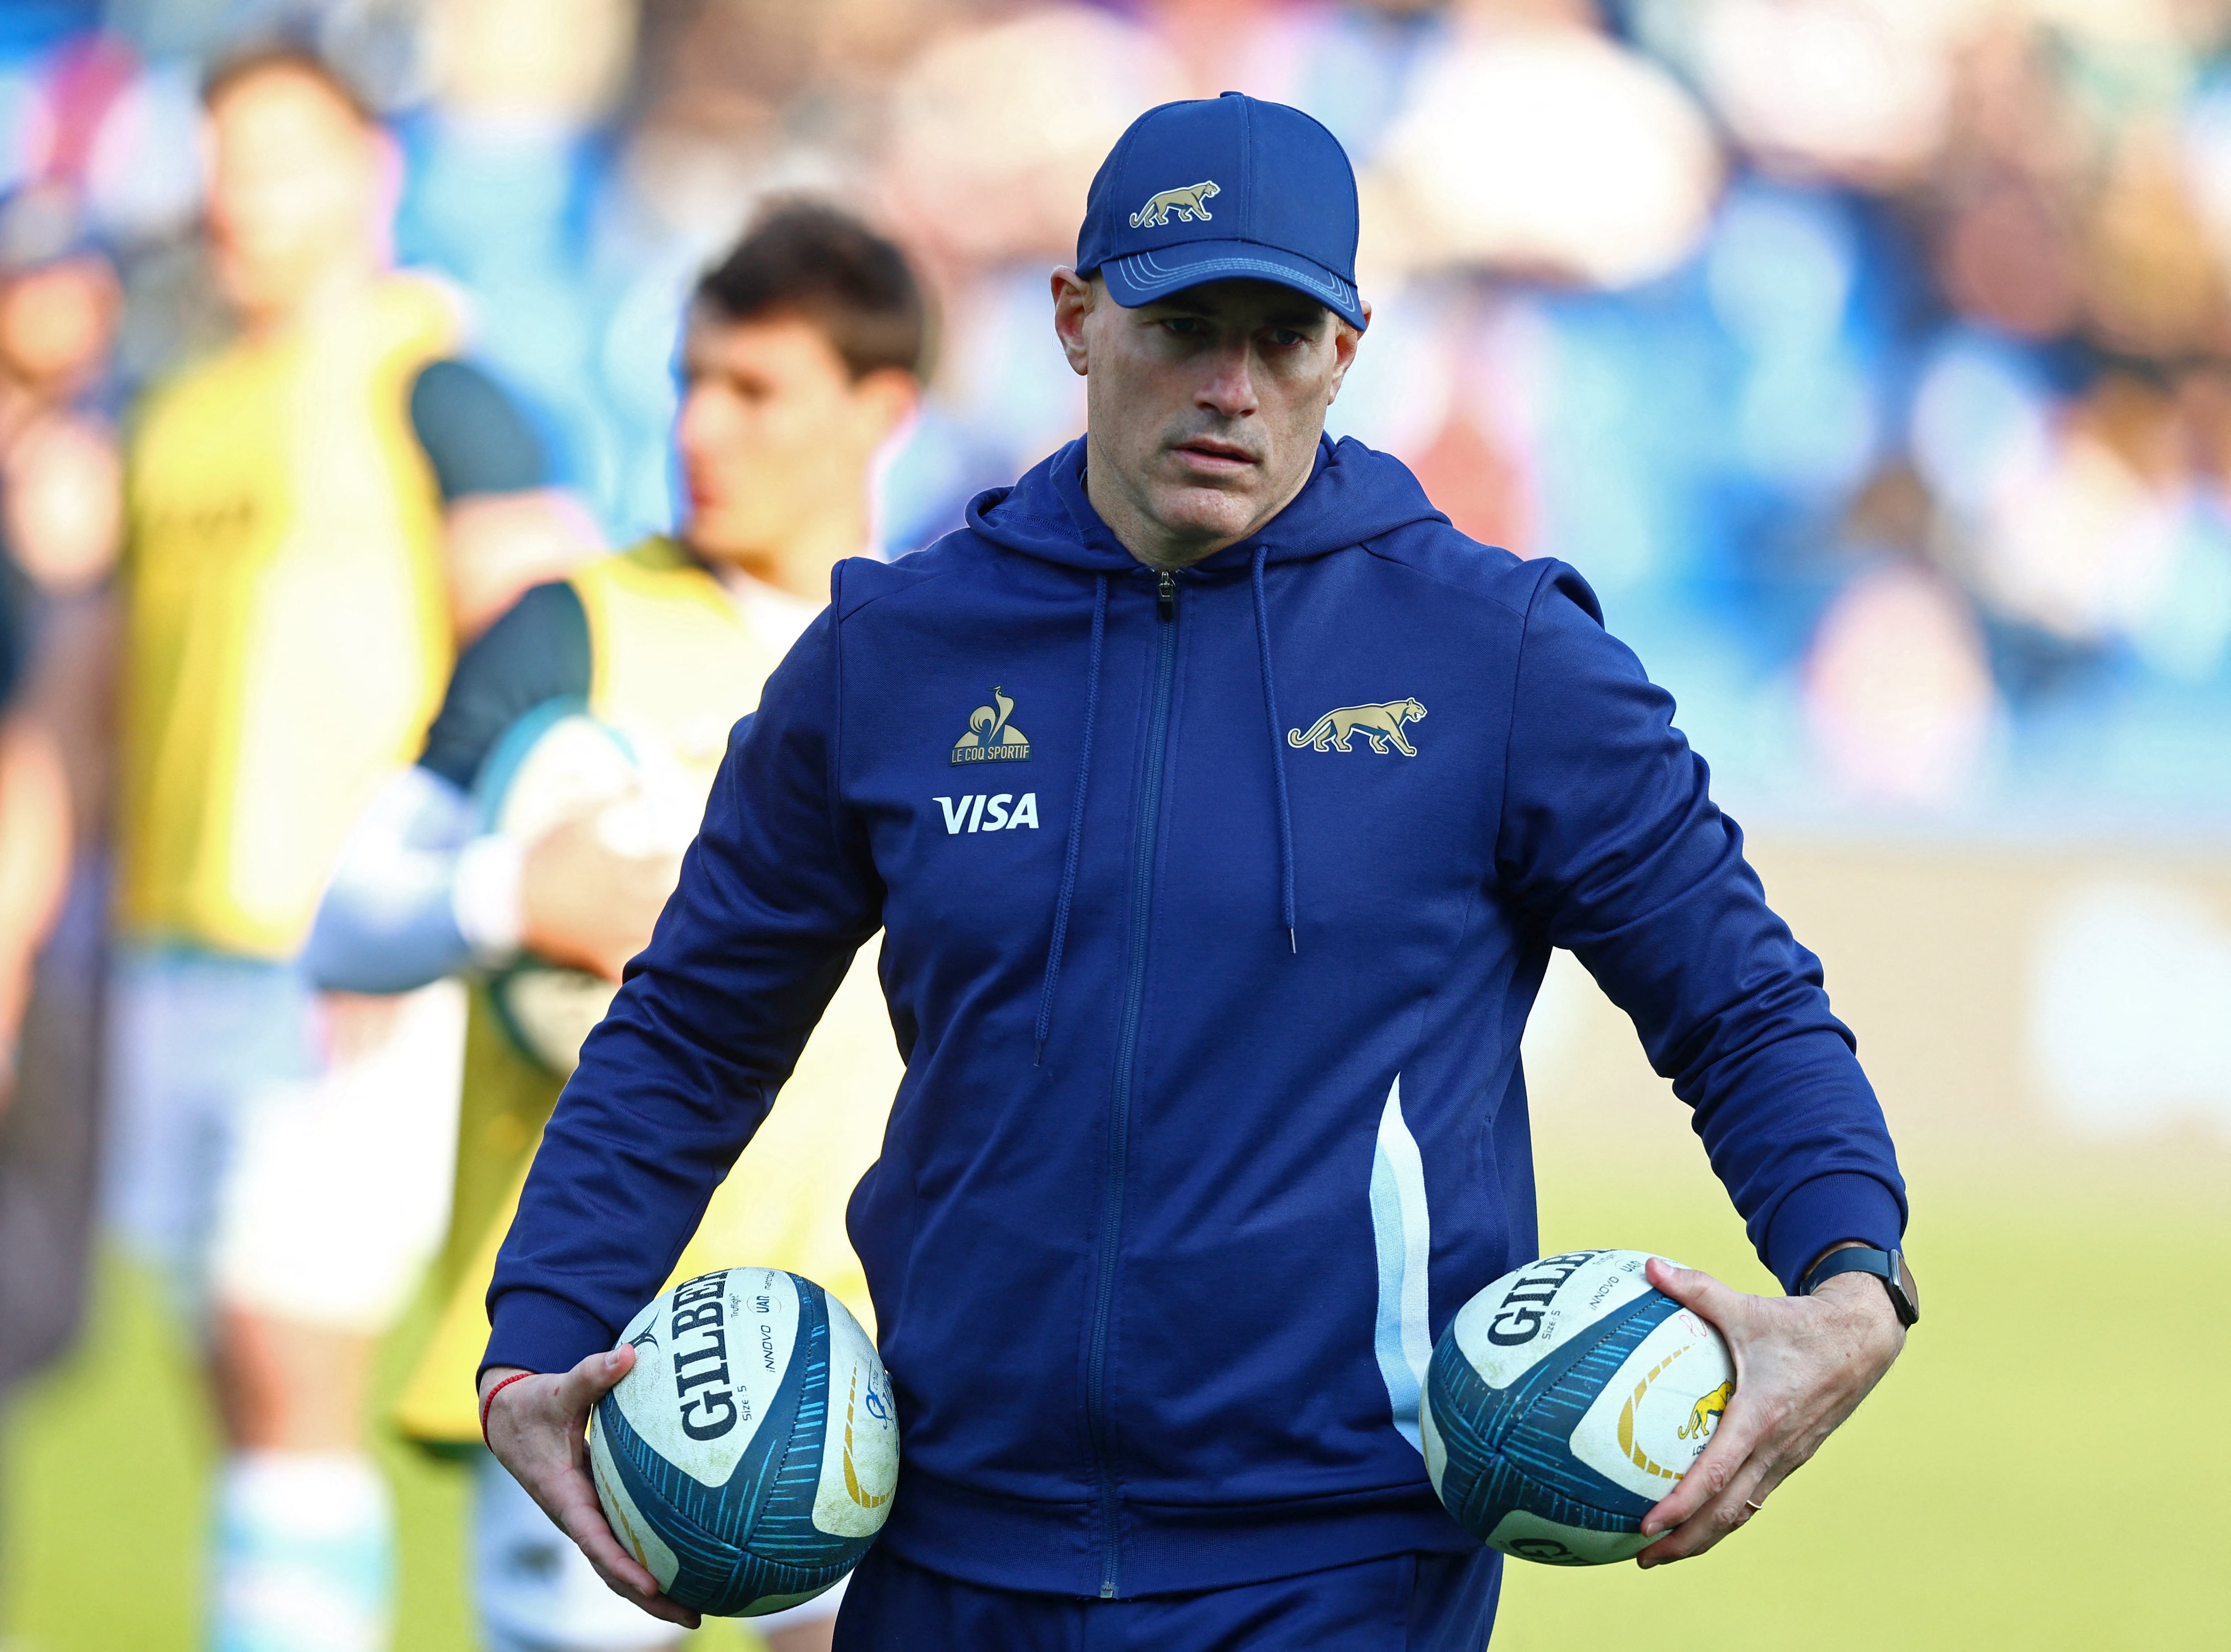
{"x":515,"y":1377}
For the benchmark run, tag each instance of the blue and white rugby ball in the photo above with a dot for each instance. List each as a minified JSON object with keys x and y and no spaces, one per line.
{"x":750,"y":1457}
{"x":1564,"y":1401}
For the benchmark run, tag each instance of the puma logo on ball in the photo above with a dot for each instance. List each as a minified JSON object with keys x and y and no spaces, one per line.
{"x":1705,"y":1415}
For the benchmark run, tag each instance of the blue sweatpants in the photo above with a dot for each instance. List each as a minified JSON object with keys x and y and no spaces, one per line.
{"x":1410,"y":1602}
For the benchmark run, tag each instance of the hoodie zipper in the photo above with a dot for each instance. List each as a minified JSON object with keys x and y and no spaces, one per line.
{"x":1119,"y":1112}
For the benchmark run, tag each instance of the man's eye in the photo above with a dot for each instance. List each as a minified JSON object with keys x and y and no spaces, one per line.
{"x":1186,"y":327}
{"x":1287,"y":336}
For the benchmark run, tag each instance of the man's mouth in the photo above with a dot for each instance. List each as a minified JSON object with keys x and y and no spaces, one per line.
{"x":1221,"y":458}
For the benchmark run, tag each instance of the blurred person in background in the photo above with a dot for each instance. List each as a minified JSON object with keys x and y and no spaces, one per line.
{"x":58,"y":532}
{"x":802,"y":358}
{"x":314,"y":513}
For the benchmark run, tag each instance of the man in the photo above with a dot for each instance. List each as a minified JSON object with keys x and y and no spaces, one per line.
{"x":801,"y":357}
{"x":59,"y":307}
{"x":311,"y":514}
{"x":1132,"y":1281}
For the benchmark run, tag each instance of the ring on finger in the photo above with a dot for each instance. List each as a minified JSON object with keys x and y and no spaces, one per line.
{"x":1755,"y":1508}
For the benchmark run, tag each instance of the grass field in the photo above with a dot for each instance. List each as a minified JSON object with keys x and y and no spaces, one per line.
{"x":110,"y":1454}
{"x":2043,"y":1469}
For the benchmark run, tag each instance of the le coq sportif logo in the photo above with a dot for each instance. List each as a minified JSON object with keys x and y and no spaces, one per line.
{"x":992,"y":738}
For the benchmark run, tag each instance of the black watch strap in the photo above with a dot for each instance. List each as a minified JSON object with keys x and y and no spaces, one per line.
{"x":1888,"y":1266}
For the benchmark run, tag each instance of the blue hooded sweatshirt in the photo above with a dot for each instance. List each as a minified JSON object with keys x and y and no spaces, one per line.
{"x":1213,"y":906}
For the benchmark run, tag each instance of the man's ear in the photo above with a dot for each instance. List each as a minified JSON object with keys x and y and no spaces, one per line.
{"x":1074,"y":299}
{"x":886,"y":398}
{"x":1345,"y":342}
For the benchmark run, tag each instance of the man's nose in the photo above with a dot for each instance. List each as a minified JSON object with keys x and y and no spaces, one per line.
{"x":693,"y":425}
{"x":1228,"y":387}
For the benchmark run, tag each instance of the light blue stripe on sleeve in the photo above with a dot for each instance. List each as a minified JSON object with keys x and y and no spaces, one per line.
{"x":1402,"y":1230}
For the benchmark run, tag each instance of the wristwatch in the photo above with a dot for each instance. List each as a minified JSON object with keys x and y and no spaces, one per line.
{"x":1888,"y":1266}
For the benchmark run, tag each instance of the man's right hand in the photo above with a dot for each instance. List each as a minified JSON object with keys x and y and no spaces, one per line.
{"x":538,"y":1428}
{"x":584,"y":903}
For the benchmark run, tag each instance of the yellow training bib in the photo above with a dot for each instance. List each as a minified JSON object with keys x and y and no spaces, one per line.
{"x":287,"y":628}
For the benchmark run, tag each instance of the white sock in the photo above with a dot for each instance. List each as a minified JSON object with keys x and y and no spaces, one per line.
{"x":304,"y":1554}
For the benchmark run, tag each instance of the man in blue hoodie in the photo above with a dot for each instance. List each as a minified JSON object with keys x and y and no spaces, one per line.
{"x":1220,"y":805}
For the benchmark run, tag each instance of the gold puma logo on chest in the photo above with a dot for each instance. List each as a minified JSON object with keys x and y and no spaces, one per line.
{"x":1378,"y":724}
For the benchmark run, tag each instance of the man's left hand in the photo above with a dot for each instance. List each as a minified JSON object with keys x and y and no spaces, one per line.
{"x":1802,"y":1365}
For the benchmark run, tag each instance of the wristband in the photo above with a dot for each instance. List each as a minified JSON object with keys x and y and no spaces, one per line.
{"x":1888,"y":1266}
{"x":515,"y":1377}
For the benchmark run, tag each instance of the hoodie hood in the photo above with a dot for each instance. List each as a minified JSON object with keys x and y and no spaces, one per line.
{"x":1353,"y":494}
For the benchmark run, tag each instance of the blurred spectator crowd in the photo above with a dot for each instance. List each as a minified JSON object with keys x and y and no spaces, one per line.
{"x":1872,"y":358}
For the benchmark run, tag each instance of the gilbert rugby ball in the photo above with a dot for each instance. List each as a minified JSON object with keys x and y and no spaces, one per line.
{"x":749,"y":1459}
{"x":1564,"y":1401}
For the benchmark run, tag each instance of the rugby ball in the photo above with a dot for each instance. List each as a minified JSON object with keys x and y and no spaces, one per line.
{"x":556,"y":765}
{"x":1564,"y":1401}
{"x":749,"y":1458}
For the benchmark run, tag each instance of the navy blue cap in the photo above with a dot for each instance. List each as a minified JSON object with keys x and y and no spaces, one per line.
{"x":1224,"y":189}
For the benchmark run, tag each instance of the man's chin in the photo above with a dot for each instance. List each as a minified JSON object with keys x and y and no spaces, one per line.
{"x":1204,"y":512}
{"x":720,"y":536}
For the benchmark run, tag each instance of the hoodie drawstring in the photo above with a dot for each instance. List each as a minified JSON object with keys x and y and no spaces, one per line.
{"x":1277,"y":758}
{"x":1075,"y":821}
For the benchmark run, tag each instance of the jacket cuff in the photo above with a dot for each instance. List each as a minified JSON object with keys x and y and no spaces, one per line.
{"x":1828,"y":1210}
{"x":538,"y":1331}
